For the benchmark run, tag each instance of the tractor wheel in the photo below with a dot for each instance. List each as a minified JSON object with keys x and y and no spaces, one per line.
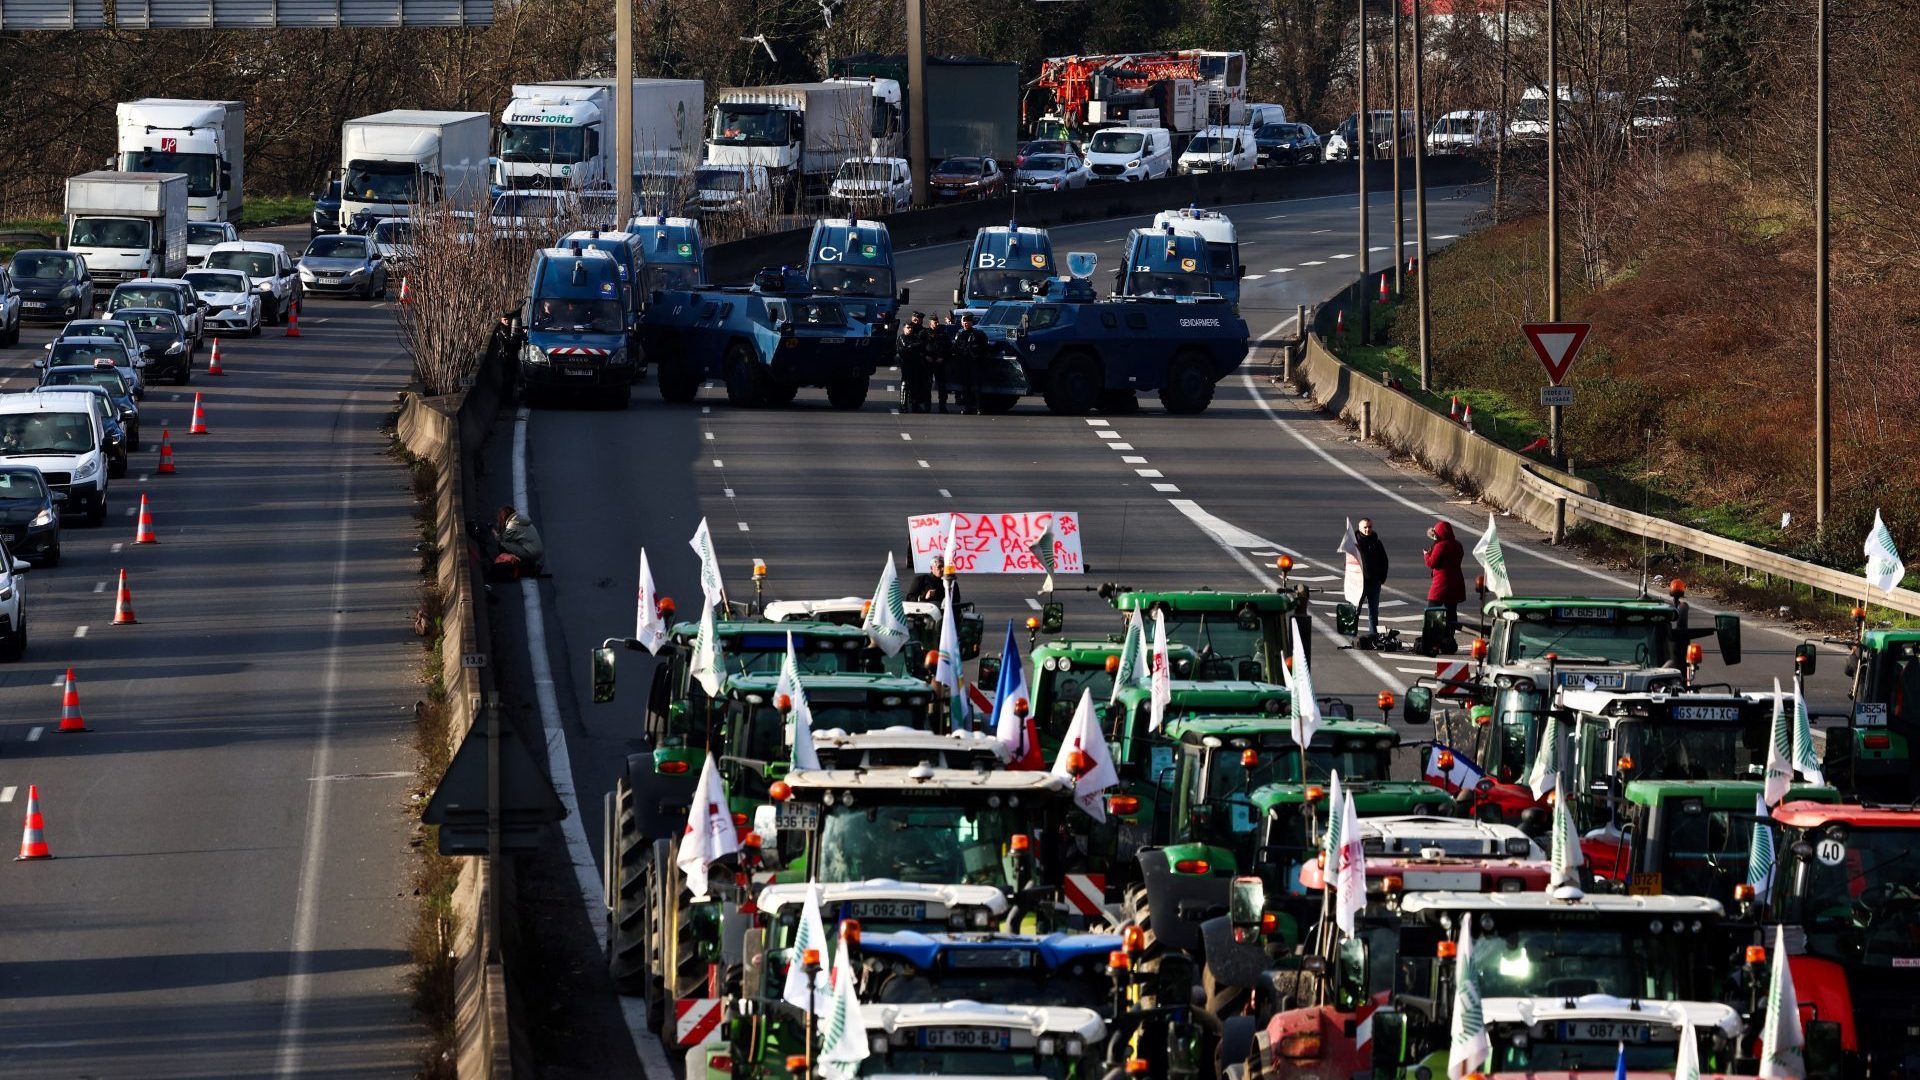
{"x":684,"y":974}
{"x":998,"y":404}
{"x":780,"y":393}
{"x":679,"y":380}
{"x":631,"y":856}
{"x":1073,"y":386}
{"x":1189,"y":385}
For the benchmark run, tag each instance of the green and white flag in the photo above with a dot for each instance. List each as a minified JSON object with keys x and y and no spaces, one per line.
{"x":886,"y":618}
{"x":800,"y":716}
{"x":811,"y":934}
{"x":710,"y":584}
{"x":843,"y":1035}
{"x":709,"y":663}
{"x":1760,"y":852}
{"x":1042,"y":548}
{"x":1330,"y":840}
{"x":1884,"y":568}
{"x":1779,"y":767}
{"x":1544,"y":776}
{"x":1783,"y":1047}
{"x":1806,"y":759}
{"x":1133,"y":659}
{"x":1567,"y":856}
{"x":1470,"y":1046}
{"x":1686,"y":1065}
{"x":1493,"y":561}
{"x":1306,"y":707}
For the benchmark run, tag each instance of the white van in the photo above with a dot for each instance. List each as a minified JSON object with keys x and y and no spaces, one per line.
{"x":1128,"y":154}
{"x":1261,"y":114}
{"x":1462,"y":132}
{"x":1220,"y":149}
{"x":871,"y":186}
{"x":61,"y":435}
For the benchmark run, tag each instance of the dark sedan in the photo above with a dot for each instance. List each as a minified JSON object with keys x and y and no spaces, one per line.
{"x":169,"y":348}
{"x":967,"y":178}
{"x":30,"y":515}
{"x":326,"y":211}
{"x":1287,"y":144}
{"x":54,"y":285}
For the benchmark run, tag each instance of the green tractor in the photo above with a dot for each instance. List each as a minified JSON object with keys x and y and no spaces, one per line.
{"x":1236,"y":635}
{"x":1064,"y":667}
{"x":1874,"y":751}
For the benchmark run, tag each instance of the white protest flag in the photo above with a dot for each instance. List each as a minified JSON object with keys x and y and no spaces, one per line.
{"x":1085,"y":761}
{"x":649,"y":626}
{"x":1133,"y":659}
{"x":1884,"y":568}
{"x":1330,"y":839}
{"x":843,"y":1035}
{"x":1470,"y":1045}
{"x":950,"y":551}
{"x":946,"y":671}
{"x":799,"y":713}
{"x":1760,"y":852}
{"x":886,"y":618}
{"x":811,"y":934}
{"x":1355,"y":582}
{"x":1306,"y":708}
{"x":1042,"y":548}
{"x":1779,"y":767}
{"x":1161,"y":678}
{"x":1544,"y":776}
{"x":1783,"y":1047}
{"x":710,"y":834}
{"x":1806,"y":759}
{"x":1351,"y":859}
{"x":1686,"y":1066}
{"x":709,"y":664}
{"x":710,"y":583}
{"x":1567,"y":856}
{"x":1493,"y":561}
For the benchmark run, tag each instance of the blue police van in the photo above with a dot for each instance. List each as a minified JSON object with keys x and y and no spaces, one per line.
{"x":572,"y":338}
{"x":852,"y":260}
{"x":1006,"y":262}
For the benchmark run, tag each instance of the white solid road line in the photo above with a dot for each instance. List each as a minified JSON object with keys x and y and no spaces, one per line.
{"x":1223,"y":531}
{"x":653,"y":1060}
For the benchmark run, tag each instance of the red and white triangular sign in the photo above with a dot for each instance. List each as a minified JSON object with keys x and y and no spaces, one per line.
{"x":1556,"y":344}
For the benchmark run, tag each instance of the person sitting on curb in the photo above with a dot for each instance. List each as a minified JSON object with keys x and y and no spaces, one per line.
{"x":513,"y":548}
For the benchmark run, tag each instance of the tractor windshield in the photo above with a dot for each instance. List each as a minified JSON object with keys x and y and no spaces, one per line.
{"x":1227,"y":651}
{"x":1029,"y":983}
{"x":1669,"y":750}
{"x":918,"y":842}
{"x":1564,"y":1054}
{"x":1863,"y":886}
{"x":939,"y":1055}
{"x":1572,"y":961}
{"x":1588,"y":640}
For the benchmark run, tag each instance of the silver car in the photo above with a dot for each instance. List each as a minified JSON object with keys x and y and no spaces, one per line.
{"x":343,"y":263}
{"x":1051,"y":172}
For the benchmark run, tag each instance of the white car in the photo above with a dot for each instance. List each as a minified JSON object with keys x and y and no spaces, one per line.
{"x":269,"y":271}
{"x":872,"y":185}
{"x":13,"y":606}
{"x":232,"y":305}
{"x":204,"y":236}
{"x":61,"y":435}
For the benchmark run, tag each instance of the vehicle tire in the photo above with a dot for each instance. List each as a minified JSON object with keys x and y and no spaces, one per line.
{"x":50,"y":559}
{"x":627,"y":918}
{"x":1119,"y":402}
{"x":746,"y":386}
{"x":97,"y":516}
{"x":1236,"y":1042}
{"x":253,"y":328}
{"x":685,"y":976}
{"x":383,"y":287}
{"x":15,"y":645}
{"x":781,"y":393}
{"x":998,"y":404}
{"x":679,"y":381}
{"x":12,"y":336}
{"x":1189,"y":385}
{"x":1073,"y":385}
{"x":848,"y":394}
{"x":271,"y":314}
{"x":133,"y":438}
{"x":116,"y":468}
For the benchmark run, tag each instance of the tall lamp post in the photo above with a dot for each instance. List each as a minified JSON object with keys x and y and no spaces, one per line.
{"x":1360,"y":148}
{"x":1822,"y":395}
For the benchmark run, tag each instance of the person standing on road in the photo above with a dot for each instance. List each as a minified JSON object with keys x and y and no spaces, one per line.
{"x":939,"y":352}
{"x":970,"y":352}
{"x":912,"y":356}
{"x":1373,"y":572}
{"x":1443,"y":558}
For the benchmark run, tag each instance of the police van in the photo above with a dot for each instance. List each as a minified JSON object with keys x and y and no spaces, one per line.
{"x":1222,"y":240}
{"x":1006,"y":262}
{"x":852,"y":260}
{"x":572,"y":334}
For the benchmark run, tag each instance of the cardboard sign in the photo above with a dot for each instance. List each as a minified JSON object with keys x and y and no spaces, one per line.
{"x":998,"y":543}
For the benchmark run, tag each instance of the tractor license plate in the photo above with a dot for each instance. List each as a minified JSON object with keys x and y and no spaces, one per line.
{"x":1605,"y":1031}
{"x":888,"y":910}
{"x":966,"y":1038}
{"x":1431,"y":880}
{"x":1869,"y":714}
{"x":1601,"y":680}
{"x":800,"y":816}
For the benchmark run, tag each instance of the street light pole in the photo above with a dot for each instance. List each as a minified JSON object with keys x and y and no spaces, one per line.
{"x":1822,"y":396}
{"x":1399,"y":203}
{"x":1360,"y":148}
{"x":1500,"y":130}
{"x":1422,"y":314}
{"x":917,"y":98}
{"x":1553,"y":205}
{"x":622,"y":110}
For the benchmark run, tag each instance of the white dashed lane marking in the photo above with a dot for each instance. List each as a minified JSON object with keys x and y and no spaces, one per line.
{"x":80,"y":631}
{"x":6,"y":793}
{"x":1119,"y":446}
{"x":742,"y":524}
{"x":1134,"y":459}
{"x":923,"y":463}
{"x":1172,"y":488}
{"x":1150,"y":474}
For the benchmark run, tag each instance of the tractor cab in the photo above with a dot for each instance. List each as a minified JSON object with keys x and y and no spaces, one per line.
{"x":1877,"y":751}
{"x":1596,"y":1034}
{"x":975,"y":1038}
{"x":759,"y":732}
{"x":1422,"y":853}
{"x":1244,"y":636}
{"x":1686,"y":837}
{"x":923,"y":626}
{"x":1064,"y":667}
{"x":1058,"y":970}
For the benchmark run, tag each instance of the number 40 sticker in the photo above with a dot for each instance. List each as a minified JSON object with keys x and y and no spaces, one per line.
{"x":1831,"y":852}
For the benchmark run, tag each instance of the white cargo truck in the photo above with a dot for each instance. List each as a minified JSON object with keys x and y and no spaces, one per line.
{"x":799,"y":132}
{"x":128,"y":225}
{"x":395,"y":160}
{"x":561,"y":134}
{"x":205,"y":140}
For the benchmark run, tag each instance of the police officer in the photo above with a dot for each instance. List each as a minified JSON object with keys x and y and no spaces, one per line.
{"x":971,"y":349}
{"x":939,"y":353}
{"x":912,"y":357}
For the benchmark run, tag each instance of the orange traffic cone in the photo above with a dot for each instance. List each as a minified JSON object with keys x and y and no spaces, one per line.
{"x":33,"y":842}
{"x":1383,"y":286}
{"x":1413,"y":265}
{"x":293,"y":320}
{"x":213,"y":362}
{"x":199,"y":424}
{"x":406,"y":294}
{"x":70,"y":719}
{"x":166,"y":454}
{"x":1340,"y":321}
{"x":1466,"y":418}
{"x":1453,"y":410}
{"x":123,"y":606}
{"x":144,"y":533}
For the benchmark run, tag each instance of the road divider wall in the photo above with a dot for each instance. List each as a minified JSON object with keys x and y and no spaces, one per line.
{"x":1544,"y":497}
{"x":447,"y":432}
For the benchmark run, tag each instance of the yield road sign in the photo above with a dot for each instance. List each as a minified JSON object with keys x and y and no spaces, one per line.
{"x":1556,"y":344}
{"x":1556,"y":395}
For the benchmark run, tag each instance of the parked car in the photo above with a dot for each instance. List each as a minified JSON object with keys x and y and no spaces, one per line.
{"x":161,"y":333}
{"x":174,"y":295}
{"x":343,"y":265}
{"x":54,"y":285}
{"x":1129,"y":154}
{"x":29,"y":514}
{"x":1220,"y":149}
{"x":326,"y":210}
{"x":1462,"y":132}
{"x":102,"y":375}
{"x":119,"y":330}
{"x":10,"y":309}
{"x":966,"y":178}
{"x":232,"y":305}
{"x":63,"y":437}
{"x":1034,"y":147}
{"x":1287,"y":144}
{"x":269,"y":270}
{"x":1052,"y":172}
{"x":204,"y":236}
{"x":870,"y":186}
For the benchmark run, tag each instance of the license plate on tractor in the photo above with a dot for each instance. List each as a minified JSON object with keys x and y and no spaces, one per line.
{"x":887,"y":910}
{"x":966,"y":1038}
{"x":1613,"y":1031}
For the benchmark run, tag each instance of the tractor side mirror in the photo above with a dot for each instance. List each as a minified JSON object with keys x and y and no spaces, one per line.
{"x":1346,"y":619}
{"x":1053,"y":617}
{"x":1726,"y":630}
{"x":1419,"y":705}
{"x":603,"y":676}
{"x":1350,"y":975}
{"x":1805,"y":657}
{"x":1246,"y":900}
{"x":1389,"y":1040}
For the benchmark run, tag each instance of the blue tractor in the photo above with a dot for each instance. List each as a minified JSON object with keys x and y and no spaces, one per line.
{"x":764,"y":341}
{"x":1082,"y":353}
{"x":853,"y":261}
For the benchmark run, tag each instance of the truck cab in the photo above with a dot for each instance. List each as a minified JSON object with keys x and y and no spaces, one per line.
{"x":1006,"y":262}
{"x":626,"y":250}
{"x":1165,"y":262}
{"x":1216,"y":230}
{"x":204,"y":140}
{"x":554,"y":135}
{"x":852,"y":259}
{"x":673,"y":254}
{"x":573,"y":329}
{"x":128,"y":225}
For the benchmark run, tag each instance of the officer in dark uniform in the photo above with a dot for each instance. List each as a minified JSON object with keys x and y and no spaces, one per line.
{"x":912,"y":356}
{"x":940,"y":355}
{"x":971,"y":349}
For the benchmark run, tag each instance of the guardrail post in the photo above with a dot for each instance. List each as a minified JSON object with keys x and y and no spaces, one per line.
{"x":1366,"y":421}
{"x":1560,"y":520}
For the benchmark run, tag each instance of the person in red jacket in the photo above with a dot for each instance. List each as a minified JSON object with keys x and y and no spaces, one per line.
{"x":1443,"y":558}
